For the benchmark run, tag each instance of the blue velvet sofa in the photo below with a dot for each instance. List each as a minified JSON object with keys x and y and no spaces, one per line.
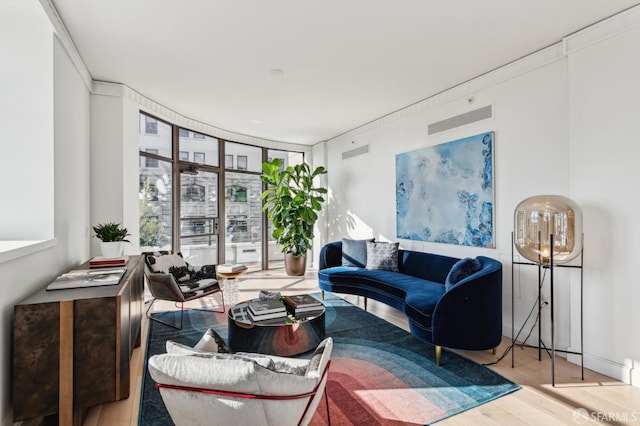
{"x":467,"y":315}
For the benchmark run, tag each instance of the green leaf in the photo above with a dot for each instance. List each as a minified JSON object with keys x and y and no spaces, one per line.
{"x":291,"y":202}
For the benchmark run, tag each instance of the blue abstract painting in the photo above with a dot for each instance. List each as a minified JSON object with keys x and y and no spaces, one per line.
{"x":444,"y":193}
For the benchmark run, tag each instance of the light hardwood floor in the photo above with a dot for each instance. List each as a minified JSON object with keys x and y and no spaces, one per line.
{"x":605,"y":400}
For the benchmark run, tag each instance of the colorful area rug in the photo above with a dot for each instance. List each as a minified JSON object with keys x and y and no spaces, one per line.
{"x":380,"y":374}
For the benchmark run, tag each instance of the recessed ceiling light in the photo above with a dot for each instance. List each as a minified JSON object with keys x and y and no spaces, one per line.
{"x":254,"y":121}
{"x":276,"y":71}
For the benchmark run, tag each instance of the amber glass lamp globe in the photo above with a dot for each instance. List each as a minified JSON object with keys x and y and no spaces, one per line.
{"x":538,"y":218}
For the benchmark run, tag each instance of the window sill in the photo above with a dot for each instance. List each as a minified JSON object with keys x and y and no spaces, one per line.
{"x":10,"y":250}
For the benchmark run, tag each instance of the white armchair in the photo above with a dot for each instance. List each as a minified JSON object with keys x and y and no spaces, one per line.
{"x":200,"y":388}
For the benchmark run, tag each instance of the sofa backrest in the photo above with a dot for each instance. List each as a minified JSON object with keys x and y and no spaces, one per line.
{"x":331,"y":255}
{"x":430,"y":266}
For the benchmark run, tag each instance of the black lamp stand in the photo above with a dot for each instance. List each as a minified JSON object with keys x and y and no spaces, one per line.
{"x":550,"y":267}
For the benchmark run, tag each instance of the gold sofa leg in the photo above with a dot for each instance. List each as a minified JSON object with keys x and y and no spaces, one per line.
{"x":494,"y":350}
{"x":322,"y":294}
{"x":438,"y":354}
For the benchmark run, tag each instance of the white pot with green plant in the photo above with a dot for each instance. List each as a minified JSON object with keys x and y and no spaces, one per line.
{"x":292,"y":201}
{"x":112,"y":236}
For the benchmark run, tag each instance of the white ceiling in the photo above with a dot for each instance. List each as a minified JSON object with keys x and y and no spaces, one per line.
{"x":345,"y":62}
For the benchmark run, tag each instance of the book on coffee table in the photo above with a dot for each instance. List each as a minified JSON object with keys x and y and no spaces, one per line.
{"x":302,"y":301}
{"x":267,"y":306}
{"x":266,"y":318}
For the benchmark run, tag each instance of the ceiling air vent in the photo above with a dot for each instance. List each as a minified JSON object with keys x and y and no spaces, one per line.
{"x":460,"y":120}
{"x":356,"y":151}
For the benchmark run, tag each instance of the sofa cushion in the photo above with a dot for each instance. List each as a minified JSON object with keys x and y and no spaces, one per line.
{"x":416,"y":296}
{"x":461,"y":270}
{"x":354,"y":252}
{"x":382,"y":256}
{"x":191,"y":289}
{"x":181,"y":349}
{"x":421,"y":302}
{"x":175,"y":348}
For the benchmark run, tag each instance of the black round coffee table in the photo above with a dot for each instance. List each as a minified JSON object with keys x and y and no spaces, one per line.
{"x":280,"y":338}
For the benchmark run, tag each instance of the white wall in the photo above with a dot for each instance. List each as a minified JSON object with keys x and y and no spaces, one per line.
{"x":72,"y":160}
{"x":106,"y":163}
{"x":114,"y":165}
{"x":565,"y":122}
{"x":70,"y":197}
{"x":604,"y":117}
{"x":26,"y":120}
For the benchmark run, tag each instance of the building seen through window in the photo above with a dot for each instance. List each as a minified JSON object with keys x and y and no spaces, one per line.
{"x":198,"y":157}
{"x":191,"y":222}
{"x":151,"y":126}
{"x":150,"y":161}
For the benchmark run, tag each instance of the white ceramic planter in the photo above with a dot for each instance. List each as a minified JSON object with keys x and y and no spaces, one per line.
{"x":112,"y":248}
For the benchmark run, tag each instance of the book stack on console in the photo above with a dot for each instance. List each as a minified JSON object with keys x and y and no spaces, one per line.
{"x":302,"y":305}
{"x":266,"y":310}
{"x":228,"y":268}
{"x":107,"y":262}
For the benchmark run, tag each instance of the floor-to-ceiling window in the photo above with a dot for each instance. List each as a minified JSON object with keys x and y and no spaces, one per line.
{"x":198,"y":204}
{"x":156,"y":184}
{"x":243,"y":207}
{"x":201,"y":196}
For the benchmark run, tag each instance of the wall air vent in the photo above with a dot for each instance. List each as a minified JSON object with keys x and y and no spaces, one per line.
{"x":460,"y":120}
{"x":356,"y":151}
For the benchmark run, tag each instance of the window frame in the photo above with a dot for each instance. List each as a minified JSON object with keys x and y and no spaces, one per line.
{"x":221,"y":169}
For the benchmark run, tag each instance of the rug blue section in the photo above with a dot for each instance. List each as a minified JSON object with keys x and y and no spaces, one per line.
{"x":370,"y":356}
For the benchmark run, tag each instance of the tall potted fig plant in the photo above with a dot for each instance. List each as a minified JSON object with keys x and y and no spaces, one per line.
{"x":292,"y":203}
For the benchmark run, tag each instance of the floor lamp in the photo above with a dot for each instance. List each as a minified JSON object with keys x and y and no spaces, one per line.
{"x":548,"y":233}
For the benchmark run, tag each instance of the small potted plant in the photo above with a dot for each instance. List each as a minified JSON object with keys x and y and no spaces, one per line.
{"x":112,"y":237}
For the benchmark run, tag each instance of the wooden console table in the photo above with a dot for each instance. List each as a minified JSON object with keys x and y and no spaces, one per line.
{"x":71,"y":348}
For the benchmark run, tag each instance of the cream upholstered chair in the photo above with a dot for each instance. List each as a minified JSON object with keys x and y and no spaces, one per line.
{"x":171,"y":278}
{"x":200,"y":388}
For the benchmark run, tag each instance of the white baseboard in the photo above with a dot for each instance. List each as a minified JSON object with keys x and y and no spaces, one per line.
{"x":631,"y":372}
{"x":628,"y":373}
{"x":634,"y":375}
{"x":601,"y":365}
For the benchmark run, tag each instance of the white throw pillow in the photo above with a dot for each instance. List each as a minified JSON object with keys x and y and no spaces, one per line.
{"x":211,"y":342}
